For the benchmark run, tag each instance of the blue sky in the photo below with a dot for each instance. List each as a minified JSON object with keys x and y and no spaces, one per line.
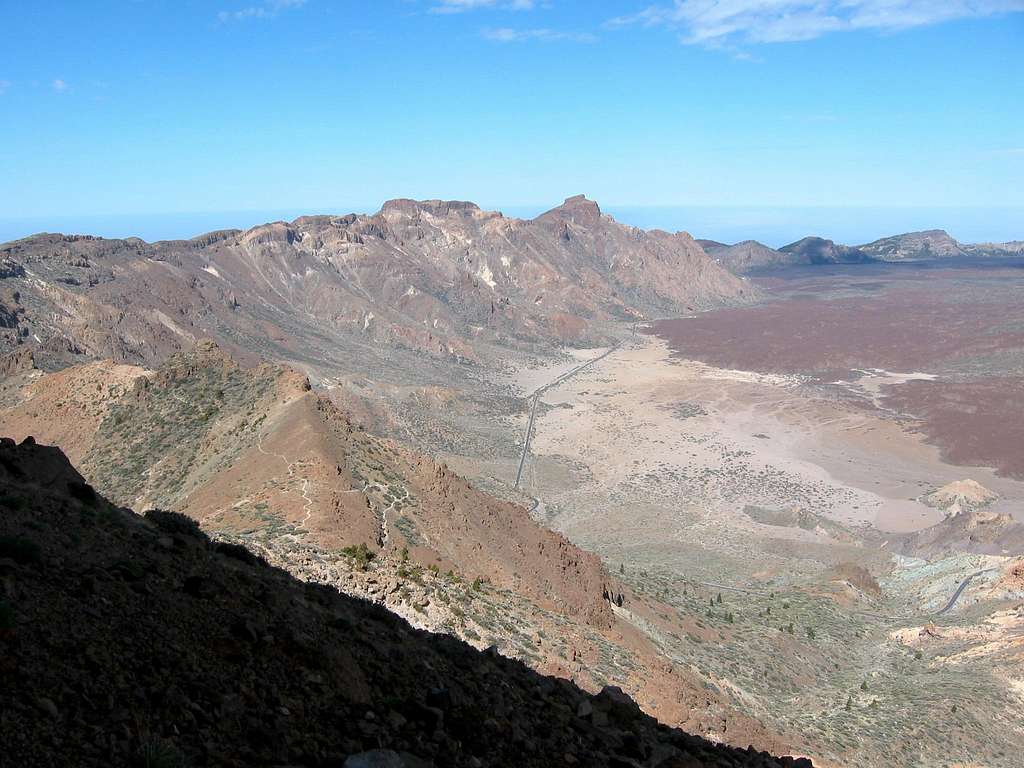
{"x":167,"y":117}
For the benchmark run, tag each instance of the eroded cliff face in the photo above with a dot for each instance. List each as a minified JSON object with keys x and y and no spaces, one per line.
{"x":432,"y":276}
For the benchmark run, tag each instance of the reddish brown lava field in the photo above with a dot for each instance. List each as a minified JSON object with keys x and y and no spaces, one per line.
{"x":963,"y":325}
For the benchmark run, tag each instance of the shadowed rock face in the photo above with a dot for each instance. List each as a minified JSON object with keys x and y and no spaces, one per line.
{"x":433,"y":276}
{"x":176,"y":651}
{"x":817,"y":250}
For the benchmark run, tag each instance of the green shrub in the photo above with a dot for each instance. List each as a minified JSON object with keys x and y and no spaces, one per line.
{"x":359,"y":554}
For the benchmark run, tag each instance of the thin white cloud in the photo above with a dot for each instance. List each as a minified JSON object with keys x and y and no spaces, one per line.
{"x":265,"y":10}
{"x":509,"y":35}
{"x":4,"y":85}
{"x":461,"y":6}
{"x":59,"y":85}
{"x":727,"y":23}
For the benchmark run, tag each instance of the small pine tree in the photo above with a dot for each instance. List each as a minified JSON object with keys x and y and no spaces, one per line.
{"x":864,"y":685}
{"x":622,"y":567}
{"x":849,"y":703}
{"x":719,"y":598}
{"x":789,"y":628}
{"x":729,"y":617}
{"x":810,"y":633}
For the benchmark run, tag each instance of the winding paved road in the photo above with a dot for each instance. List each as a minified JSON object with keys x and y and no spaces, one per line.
{"x":960,"y":589}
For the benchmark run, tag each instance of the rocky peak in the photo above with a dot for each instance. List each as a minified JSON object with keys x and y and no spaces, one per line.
{"x":274,"y":232}
{"x":205,"y":354}
{"x":42,"y":465}
{"x":437,"y":208}
{"x":927,"y":244}
{"x":217,"y":236}
{"x":576,"y":210}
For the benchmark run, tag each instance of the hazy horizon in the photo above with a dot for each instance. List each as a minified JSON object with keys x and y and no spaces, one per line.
{"x":772,"y":225}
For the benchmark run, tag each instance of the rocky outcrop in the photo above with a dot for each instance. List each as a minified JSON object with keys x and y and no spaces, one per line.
{"x":19,"y":361}
{"x":914,"y":246}
{"x":1011,"y":249}
{"x":960,"y":496}
{"x":10,"y":268}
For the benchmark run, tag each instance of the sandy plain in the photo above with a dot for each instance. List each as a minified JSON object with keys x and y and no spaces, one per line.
{"x":649,"y":451}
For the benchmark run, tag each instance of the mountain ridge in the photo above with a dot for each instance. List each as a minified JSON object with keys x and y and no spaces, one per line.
{"x":925,"y":245}
{"x":434,"y":277}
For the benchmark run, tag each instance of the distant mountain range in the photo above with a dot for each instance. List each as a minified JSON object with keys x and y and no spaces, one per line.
{"x":435,"y":277}
{"x":932,"y":244}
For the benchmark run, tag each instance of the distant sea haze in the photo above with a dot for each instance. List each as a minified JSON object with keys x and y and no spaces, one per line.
{"x":774,"y":226}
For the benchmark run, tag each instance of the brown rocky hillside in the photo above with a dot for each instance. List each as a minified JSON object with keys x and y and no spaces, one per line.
{"x":128,"y":641}
{"x":256,"y":449}
{"x":258,"y":458}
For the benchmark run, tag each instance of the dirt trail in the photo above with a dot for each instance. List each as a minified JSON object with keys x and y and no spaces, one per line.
{"x":384,"y":519}
{"x":307,"y":506}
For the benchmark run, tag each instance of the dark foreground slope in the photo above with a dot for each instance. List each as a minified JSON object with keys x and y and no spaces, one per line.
{"x":135,"y":641}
